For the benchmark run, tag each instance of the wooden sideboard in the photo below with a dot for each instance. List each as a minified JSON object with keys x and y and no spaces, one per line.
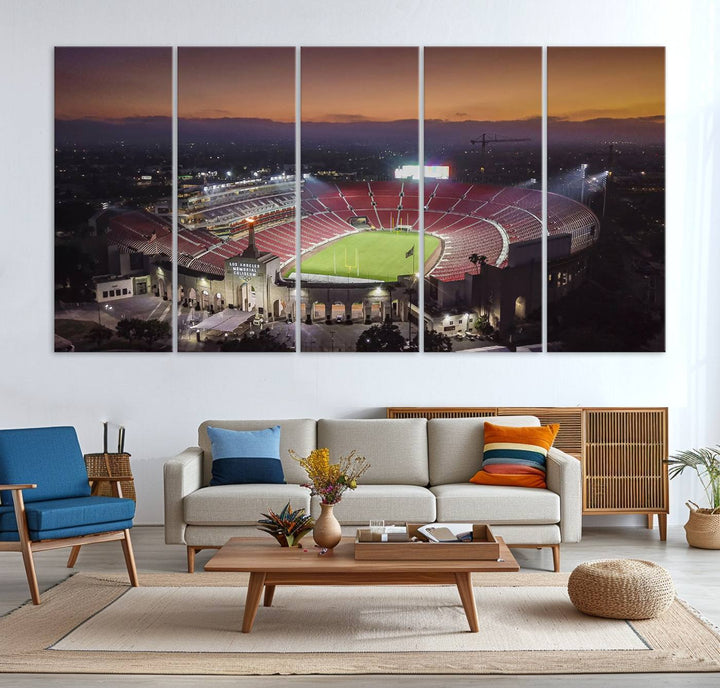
{"x":622,"y":451}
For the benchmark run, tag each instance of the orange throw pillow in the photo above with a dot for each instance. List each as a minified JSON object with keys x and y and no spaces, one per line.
{"x":515,"y":456}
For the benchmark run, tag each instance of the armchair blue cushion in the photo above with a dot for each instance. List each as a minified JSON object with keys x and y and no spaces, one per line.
{"x":49,"y":457}
{"x":69,"y":517}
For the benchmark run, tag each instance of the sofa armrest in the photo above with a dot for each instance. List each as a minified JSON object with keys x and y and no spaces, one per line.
{"x":564,"y":477}
{"x":181,"y":476}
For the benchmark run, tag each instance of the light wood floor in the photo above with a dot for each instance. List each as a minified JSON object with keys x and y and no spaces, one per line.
{"x":696,"y":574}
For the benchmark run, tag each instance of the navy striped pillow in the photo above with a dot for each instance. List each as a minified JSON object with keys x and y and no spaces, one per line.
{"x":250,"y":456}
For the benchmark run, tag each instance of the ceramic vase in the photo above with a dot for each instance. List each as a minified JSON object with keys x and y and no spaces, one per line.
{"x":326,"y":532}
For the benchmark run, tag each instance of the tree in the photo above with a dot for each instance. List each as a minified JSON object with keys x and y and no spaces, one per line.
{"x":385,"y":337}
{"x":477,"y":260}
{"x":435,"y":341}
{"x":154,"y":331}
{"x":262,"y":341}
{"x":483,"y":326}
{"x":150,"y":331}
{"x":129,"y":328}
{"x":99,"y":334}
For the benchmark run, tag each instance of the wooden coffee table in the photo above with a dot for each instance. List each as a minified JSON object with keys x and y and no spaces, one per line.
{"x":270,"y":565}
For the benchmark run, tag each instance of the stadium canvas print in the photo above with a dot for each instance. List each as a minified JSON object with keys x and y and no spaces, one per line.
{"x":606,"y":182}
{"x":236,"y":199}
{"x":483,"y":199}
{"x":360,"y":255}
{"x":113,"y":234}
{"x":374,"y":226}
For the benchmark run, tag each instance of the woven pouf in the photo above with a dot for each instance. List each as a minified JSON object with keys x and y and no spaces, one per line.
{"x":621,"y":589}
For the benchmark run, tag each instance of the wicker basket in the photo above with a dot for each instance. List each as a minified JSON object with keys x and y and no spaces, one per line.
{"x":703,"y":527}
{"x":108,"y":466}
{"x":621,"y":589}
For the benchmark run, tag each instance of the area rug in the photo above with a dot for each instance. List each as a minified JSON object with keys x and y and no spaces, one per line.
{"x":189,"y":624}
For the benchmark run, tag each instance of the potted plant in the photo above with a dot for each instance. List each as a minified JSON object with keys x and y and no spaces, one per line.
{"x":703,"y":527}
{"x":288,"y":527}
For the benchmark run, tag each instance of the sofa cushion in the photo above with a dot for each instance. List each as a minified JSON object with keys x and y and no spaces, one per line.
{"x":245,"y":456}
{"x":396,"y":449}
{"x":496,"y":504}
{"x":382,"y":502}
{"x":295,"y":433}
{"x":51,"y":458}
{"x":515,"y":456}
{"x":455,"y":445}
{"x":227,"y":505}
{"x":547,"y":534}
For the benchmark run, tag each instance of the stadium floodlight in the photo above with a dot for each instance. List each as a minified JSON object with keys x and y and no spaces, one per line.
{"x":431,"y":172}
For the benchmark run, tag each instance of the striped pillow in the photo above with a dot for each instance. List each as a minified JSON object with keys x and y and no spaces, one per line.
{"x":515,"y":456}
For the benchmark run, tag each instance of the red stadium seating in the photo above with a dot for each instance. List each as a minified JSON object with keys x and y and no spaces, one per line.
{"x":468,"y":218}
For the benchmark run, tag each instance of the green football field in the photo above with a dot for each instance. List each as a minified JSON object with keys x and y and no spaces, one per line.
{"x":370,"y":255}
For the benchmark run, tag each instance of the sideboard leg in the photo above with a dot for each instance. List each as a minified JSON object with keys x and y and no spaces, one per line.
{"x":650,"y":521}
{"x":662,"y":523}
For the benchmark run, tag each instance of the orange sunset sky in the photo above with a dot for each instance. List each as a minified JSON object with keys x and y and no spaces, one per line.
{"x":359,"y":84}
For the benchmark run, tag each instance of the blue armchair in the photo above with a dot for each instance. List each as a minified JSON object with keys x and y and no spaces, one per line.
{"x":45,"y":499}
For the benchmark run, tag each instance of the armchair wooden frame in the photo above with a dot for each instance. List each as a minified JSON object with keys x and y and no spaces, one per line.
{"x":26,"y":546}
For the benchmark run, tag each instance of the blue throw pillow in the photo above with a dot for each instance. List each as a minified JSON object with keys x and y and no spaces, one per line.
{"x":241,"y":457}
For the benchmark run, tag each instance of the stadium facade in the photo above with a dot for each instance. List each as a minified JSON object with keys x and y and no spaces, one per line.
{"x":237,"y":250}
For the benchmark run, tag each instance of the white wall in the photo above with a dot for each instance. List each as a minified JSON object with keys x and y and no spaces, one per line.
{"x":162,"y":398}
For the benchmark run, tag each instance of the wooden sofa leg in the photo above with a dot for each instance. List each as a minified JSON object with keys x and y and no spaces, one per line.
{"x":72,"y":559}
{"x":556,"y":558}
{"x":191,"y":559}
{"x":129,"y":559}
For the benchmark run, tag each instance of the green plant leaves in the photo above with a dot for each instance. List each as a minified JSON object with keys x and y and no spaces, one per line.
{"x":288,"y":527}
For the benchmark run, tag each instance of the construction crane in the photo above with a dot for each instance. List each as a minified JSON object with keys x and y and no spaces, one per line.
{"x":484,"y":140}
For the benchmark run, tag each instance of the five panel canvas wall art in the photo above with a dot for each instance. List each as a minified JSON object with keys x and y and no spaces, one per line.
{"x":312,"y":212}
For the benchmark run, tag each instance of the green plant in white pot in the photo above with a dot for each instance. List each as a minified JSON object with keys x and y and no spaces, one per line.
{"x":703,"y":527}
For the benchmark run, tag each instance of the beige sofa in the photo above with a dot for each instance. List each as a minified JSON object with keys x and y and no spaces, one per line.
{"x":419,"y":472}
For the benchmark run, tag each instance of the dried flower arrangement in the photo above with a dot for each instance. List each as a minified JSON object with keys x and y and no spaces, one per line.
{"x":329,"y":480}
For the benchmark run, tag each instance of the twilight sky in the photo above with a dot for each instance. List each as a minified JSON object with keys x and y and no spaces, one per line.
{"x":482,"y":83}
{"x":112,"y":83}
{"x":237,"y":82}
{"x":359,"y":84}
{"x":587,"y":83}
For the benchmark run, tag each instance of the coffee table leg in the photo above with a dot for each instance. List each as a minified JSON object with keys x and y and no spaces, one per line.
{"x":467,"y":597}
{"x":269,"y":592}
{"x":252,"y":601}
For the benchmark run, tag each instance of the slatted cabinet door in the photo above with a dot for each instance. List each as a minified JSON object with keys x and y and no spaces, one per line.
{"x":440,"y":412}
{"x":569,"y":437}
{"x":623,"y":462}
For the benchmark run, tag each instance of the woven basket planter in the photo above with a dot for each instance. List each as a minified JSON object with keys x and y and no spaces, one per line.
{"x":110,"y":466}
{"x":703,"y":527}
{"x":621,"y":589}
